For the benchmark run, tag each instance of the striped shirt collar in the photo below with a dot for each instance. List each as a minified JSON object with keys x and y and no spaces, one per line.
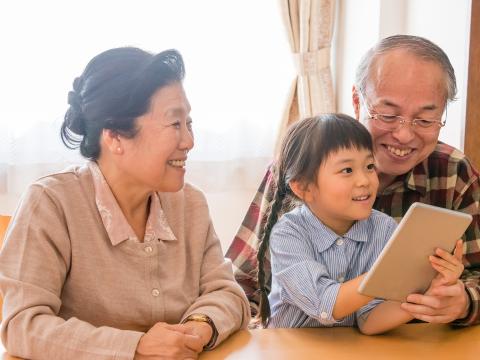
{"x":358,"y":232}
{"x":116,"y":225}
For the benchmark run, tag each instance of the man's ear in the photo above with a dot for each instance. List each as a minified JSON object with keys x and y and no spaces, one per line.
{"x":300,"y":190}
{"x":356,"y":102}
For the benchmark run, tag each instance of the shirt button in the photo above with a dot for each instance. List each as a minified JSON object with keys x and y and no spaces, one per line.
{"x":341,"y":279}
{"x":148,"y":249}
{"x":324,"y":315}
{"x":339,"y":242}
{"x":155,"y":292}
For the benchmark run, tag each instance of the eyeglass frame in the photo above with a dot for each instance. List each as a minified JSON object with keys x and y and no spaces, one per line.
{"x":402,"y":120}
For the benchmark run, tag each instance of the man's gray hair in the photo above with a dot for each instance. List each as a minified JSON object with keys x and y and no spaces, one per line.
{"x":418,"y":46}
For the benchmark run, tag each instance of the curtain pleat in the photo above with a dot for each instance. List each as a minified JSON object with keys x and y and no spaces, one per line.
{"x":309,"y":27}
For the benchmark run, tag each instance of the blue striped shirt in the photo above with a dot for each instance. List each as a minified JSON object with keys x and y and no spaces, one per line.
{"x":310,"y":261}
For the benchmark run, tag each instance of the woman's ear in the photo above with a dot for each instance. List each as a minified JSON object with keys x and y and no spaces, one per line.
{"x":112,"y":142}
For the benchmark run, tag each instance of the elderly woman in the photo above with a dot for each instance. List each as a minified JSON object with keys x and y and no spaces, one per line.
{"x":118,"y":259}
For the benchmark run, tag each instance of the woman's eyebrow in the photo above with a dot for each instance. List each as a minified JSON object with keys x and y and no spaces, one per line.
{"x":175,"y":111}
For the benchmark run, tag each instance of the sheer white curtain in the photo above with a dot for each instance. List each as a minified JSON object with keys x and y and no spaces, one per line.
{"x":238,"y":70}
{"x":309,"y":25}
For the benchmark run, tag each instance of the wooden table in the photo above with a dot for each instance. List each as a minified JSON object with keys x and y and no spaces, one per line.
{"x":413,"y":341}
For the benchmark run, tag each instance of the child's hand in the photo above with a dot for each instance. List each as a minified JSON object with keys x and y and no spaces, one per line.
{"x":446,"y":299}
{"x":449,"y":266}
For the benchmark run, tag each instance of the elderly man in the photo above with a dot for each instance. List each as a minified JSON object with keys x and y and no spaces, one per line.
{"x":402,"y":88}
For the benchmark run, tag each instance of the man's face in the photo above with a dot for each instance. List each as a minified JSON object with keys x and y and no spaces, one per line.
{"x":405,"y":85}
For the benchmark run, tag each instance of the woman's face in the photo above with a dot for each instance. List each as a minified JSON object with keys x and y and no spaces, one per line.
{"x":155,"y":157}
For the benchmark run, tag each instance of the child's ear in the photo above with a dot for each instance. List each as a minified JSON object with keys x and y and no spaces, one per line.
{"x":300,"y":190}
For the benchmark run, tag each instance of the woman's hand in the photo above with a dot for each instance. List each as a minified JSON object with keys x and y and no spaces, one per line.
{"x":165,"y":341}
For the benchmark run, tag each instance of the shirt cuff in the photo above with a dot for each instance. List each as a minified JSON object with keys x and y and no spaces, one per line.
{"x":473,"y":314}
{"x":329,"y":297}
{"x":127,"y":344}
{"x":369,"y":307}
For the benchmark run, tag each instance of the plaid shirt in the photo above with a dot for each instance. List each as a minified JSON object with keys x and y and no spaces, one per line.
{"x":445,"y":179}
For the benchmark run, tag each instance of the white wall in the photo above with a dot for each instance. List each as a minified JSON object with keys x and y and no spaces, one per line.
{"x":445,"y":22}
{"x":449,"y":27}
{"x":227,"y":210}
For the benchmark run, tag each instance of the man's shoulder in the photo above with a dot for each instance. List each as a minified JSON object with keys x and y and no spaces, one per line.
{"x":447,"y":153}
{"x":448,"y":159}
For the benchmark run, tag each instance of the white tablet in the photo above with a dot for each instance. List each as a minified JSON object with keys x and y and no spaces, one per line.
{"x":403,"y":268}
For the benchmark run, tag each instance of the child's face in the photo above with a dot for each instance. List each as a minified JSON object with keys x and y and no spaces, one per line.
{"x":345,"y":189}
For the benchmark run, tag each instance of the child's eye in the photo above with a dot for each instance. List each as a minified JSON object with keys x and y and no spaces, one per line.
{"x":176,"y":124}
{"x":347,"y":170}
{"x":189,"y":125}
{"x":371,"y":166}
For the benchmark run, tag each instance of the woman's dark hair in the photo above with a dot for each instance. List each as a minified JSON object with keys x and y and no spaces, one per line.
{"x":115,"y":88}
{"x":305,"y":147}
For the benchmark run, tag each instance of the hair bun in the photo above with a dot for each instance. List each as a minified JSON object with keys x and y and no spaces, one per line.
{"x":74,"y":117}
{"x":74,"y":100}
{"x":78,"y":84}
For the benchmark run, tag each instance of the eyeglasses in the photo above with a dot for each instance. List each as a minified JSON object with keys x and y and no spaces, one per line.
{"x":393,"y":122}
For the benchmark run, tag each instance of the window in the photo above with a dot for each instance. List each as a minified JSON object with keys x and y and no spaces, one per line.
{"x":238,"y":71}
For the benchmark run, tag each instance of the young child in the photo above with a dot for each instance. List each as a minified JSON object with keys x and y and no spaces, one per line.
{"x":321,"y":251}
